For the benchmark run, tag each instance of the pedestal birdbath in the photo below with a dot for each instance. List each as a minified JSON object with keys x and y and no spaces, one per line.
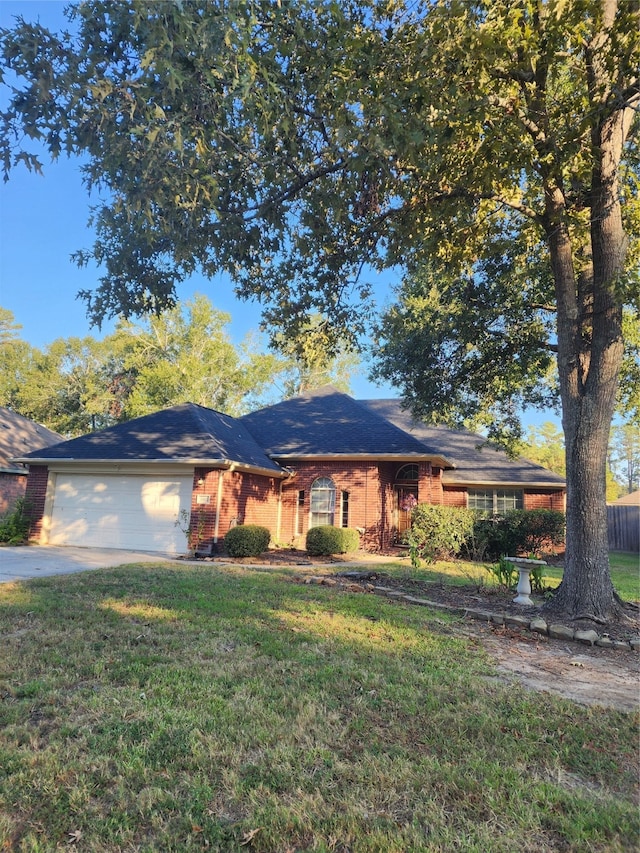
{"x":524,"y":566}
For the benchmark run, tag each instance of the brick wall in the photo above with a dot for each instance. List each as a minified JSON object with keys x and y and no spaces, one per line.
{"x":244,"y":499}
{"x":545,"y":500}
{"x":360,"y":480}
{"x":12,"y":487}
{"x":454,"y":496}
{"x":371,"y":491}
{"x":36,"y":494}
{"x":539,"y":499}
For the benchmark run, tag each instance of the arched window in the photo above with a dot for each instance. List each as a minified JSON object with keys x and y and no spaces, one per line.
{"x":323,"y":501}
{"x":407,"y":473}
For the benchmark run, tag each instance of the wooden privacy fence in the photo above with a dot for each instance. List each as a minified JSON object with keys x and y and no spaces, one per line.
{"x":624,"y":528}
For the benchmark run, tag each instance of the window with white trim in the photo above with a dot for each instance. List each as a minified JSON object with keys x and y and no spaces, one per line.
{"x":323,"y":502}
{"x":495,"y":501}
{"x":344,"y":510}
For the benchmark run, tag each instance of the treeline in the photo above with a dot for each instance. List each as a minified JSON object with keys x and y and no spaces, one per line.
{"x":78,"y":385}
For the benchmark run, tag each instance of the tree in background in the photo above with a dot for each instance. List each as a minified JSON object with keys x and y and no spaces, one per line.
{"x":313,"y":361}
{"x":185,"y":354}
{"x":624,"y":456}
{"x":544,"y":445}
{"x":294,"y":144}
{"x":16,"y":357}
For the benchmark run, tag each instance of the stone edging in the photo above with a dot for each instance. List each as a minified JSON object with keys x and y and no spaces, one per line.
{"x":536,"y":625}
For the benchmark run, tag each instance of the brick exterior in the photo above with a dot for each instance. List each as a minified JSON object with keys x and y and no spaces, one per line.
{"x":454,"y":496}
{"x":532,"y":499}
{"x":371,"y":494}
{"x":545,"y":500}
{"x":12,"y":487}
{"x":246,"y":498}
{"x":243,"y":498}
{"x":36,"y":494}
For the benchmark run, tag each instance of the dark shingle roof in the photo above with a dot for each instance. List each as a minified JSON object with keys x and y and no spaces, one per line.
{"x":182,"y":433}
{"x":327,"y":422}
{"x":475,"y":461}
{"x":19,"y":435}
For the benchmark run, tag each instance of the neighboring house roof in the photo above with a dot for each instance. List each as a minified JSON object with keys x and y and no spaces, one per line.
{"x":185,"y":433}
{"x":632,"y":499}
{"x":19,"y":435}
{"x":326,"y":424}
{"x":476,"y":462}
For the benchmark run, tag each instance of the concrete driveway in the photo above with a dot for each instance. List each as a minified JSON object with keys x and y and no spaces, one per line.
{"x":37,"y":561}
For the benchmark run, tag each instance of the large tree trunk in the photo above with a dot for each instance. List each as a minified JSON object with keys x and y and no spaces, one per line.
{"x":590,"y":349}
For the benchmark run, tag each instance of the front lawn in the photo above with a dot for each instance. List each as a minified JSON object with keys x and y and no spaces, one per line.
{"x":625,"y":573}
{"x":181,"y":707}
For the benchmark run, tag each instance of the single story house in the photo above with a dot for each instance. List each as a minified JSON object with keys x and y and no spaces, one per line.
{"x":185,"y":475}
{"x":18,"y":435}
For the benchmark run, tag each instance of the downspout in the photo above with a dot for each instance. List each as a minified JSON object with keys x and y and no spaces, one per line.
{"x":279,"y":511}
{"x":216,"y":532}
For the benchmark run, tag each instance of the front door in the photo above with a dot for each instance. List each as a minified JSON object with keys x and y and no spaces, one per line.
{"x":406,"y":500}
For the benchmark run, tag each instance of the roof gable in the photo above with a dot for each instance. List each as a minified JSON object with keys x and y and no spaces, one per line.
{"x":186,"y":433}
{"x":327,"y":422}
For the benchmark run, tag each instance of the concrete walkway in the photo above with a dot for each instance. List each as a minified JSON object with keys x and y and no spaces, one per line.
{"x":37,"y":561}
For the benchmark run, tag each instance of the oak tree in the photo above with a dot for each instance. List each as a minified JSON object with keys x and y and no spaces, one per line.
{"x":298,"y":145}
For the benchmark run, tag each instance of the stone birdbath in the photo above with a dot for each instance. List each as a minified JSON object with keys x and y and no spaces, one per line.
{"x":524,"y":566}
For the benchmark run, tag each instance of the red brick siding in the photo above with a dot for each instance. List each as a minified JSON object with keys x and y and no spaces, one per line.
{"x":371,"y":498}
{"x":12,"y":487}
{"x":454,"y":496}
{"x":36,"y":494}
{"x":540,"y":499}
{"x":245,"y":499}
{"x":545,"y":500}
{"x":437,"y":490}
{"x":360,"y":480}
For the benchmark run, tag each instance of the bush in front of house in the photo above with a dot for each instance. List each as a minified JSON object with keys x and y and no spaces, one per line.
{"x":15,"y":524}
{"x":247,"y":540}
{"x":439,"y":532}
{"x":519,"y":532}
{"x":326,"y":540}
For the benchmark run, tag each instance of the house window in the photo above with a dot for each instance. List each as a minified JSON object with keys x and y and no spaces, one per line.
{"x":344,"y":514}
{"x":323,"y":502}
{"x":300,"y":513}
{"x":407,"y":472}
{"x":495,"y":501}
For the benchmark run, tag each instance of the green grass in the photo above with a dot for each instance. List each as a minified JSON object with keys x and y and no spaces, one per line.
{"x":182,"y":708}
{"x":625,"y":573}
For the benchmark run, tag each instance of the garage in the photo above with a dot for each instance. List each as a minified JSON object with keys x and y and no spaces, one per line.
{"x":116,"y":511}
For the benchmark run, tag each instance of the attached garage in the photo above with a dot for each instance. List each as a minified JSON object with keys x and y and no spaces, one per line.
{"x":139,"y":512}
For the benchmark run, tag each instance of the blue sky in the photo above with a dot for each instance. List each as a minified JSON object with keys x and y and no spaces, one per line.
{"x":43,"y":219}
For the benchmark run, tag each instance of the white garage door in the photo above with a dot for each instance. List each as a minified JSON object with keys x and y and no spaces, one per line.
{"x":115,"y":511}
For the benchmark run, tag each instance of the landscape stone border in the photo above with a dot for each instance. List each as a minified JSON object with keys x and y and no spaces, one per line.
{"x":536,"y":625}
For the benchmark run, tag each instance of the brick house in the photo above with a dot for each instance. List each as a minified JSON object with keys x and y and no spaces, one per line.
{"x":187,"y":474}
{"x":18,"y":435}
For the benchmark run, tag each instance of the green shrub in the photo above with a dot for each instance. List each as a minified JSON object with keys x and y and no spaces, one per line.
{"x":247,"y":540}
{"x":519,"y":531}
{"x":539,"y":529}
{"x":14,"y":525}
{"x":439,"y":532}
{"x":326,"y":540}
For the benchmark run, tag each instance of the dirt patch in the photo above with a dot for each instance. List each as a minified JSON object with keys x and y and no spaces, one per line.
{"x":585,"y":674}
{"x":590,"y":675}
